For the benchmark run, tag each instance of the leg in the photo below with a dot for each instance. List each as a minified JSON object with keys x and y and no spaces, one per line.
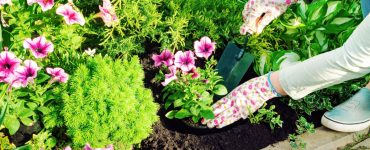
{"x":368,"y":85}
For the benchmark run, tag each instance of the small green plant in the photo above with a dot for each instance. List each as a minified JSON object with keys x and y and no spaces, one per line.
{"x":5,"y":143}
{"x":190,"y":92}
{"x":108,"y":104}
{"x":267,"y":115}
{"x":302,"y":127}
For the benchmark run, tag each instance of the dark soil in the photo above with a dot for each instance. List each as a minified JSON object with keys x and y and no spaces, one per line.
{"x":174,"y":134}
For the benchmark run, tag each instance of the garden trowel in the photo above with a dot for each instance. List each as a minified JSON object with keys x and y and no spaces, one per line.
{"x":233,"y":64}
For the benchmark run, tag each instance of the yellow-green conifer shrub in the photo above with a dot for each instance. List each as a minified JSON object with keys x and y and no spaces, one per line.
{"x":108,"y":104}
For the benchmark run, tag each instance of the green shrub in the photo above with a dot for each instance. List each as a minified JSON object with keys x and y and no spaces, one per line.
{"x":108,"y":104}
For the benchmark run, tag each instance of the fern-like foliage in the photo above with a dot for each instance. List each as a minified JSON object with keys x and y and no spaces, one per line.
{"x":108,"y":104}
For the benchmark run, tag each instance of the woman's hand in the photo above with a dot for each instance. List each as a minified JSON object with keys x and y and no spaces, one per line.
{"x":242,"y":101}
{"x":257,"y":14}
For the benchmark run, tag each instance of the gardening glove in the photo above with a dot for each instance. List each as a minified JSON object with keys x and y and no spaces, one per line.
{"x":242,"y":101}
{"x":257,"y":14}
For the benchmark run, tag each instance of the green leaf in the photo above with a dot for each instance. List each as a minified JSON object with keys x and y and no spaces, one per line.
{"x":340,"y":24}
{"x":25,"y":112}
{"x":316,"y":12}
{"x":183,"y":113}
{"x":51,"y":142}
{"x":12,"y":124}
{"x":42,"y":77}
{"x":334,"y":7}
{"x":27,"y":121}
{"x":302,"y":9}
{"x":44,"y":110}
{"x":220,"y":90}
{"x":178,"y":103}
{"x":171,"y":114}
{"x":194,"y":110}
{"x":205,"y":96}
{"x":25,"y":147}
{"x":32,"y":105}
{"x":207,"y":114}
{"x":3,"y":112}
{"x":167,"y":104}
{"x":195,"y":119}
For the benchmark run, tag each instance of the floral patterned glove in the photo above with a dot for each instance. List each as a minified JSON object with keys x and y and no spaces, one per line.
{"x":257,"y":14}
{"x":242,"y":101}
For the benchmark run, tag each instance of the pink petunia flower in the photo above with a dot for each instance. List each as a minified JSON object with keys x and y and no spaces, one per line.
{"x":45,"y":4}
{"x":57,"y":74}
{"x":166,"y":57}
{"x":3,"y":2}
{"x":185,"y":60}
{"x":194,"y":73}
{"x":88,"y":147}
{"x":204,"y":47}
{"x":8,"y":64}
{"x":70,"y":15}
{"x":25,"y":74}
{"x":39,"y":46}
{"x":107,"y":13}
{"x":67,"y":148}
{"x":171,"y":76}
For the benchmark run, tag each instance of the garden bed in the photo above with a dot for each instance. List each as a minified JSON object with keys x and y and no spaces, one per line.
{"x":174,"y":134}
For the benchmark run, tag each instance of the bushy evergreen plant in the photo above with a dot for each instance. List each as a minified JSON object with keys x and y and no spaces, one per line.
{"x":108,"y":104}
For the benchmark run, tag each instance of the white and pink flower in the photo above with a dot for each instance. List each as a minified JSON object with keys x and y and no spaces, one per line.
{"x":58,"y":74}
{"x":194,"y":73}
{"x":171,"y":76}
{"x":166,"y":58}
{"x":204,"y":47}
{"x":88,"y":147}
{"x":25,"y":74}
{"x":3,"y":2}
{"x":185,"y":60}
{"x":45,"y":4}
{"x":8,"y":64}
{"x":107,"y":13}
{"x":70,"y":15}
{"x":39,"y":47}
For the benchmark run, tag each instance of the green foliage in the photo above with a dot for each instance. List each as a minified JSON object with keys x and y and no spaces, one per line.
{"x":193,"y":97}
{"x":266,"y":115}
{"x":302,"y":127}
{"x":42,"y":140}
{"x":26,"y":21}
{"x":188,"y":20}
{"x":5,"y":143}
{"x":108,"y":104}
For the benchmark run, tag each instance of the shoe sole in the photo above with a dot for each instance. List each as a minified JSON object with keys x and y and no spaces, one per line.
{"x":343,"y":127}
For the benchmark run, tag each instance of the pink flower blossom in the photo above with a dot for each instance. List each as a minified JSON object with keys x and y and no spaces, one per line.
{"x":166,"y":57}
{"x":67,"y":148}
{"x":8,"y":64}
{"x":70,"y":15}
{"x":3,"y":2}
{"x":88,"y":147}
{"x":204,"y":47}
{"x":171,"y":76}
{"x":107,"y":13}
{"x":194,"y":73}
{"x":45,"y":4}
{"x":57,"y":74}
{"x":39,"y":46}
{"x":25,"y":74}
{"x":185,"y":60}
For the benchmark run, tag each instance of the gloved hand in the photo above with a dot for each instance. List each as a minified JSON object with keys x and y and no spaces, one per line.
{"x":257,"y":14}
{"x":242,"y":101}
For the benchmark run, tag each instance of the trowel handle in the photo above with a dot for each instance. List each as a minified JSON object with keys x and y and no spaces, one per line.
{"x":246,"y":40}
{"x":242,"y":51}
